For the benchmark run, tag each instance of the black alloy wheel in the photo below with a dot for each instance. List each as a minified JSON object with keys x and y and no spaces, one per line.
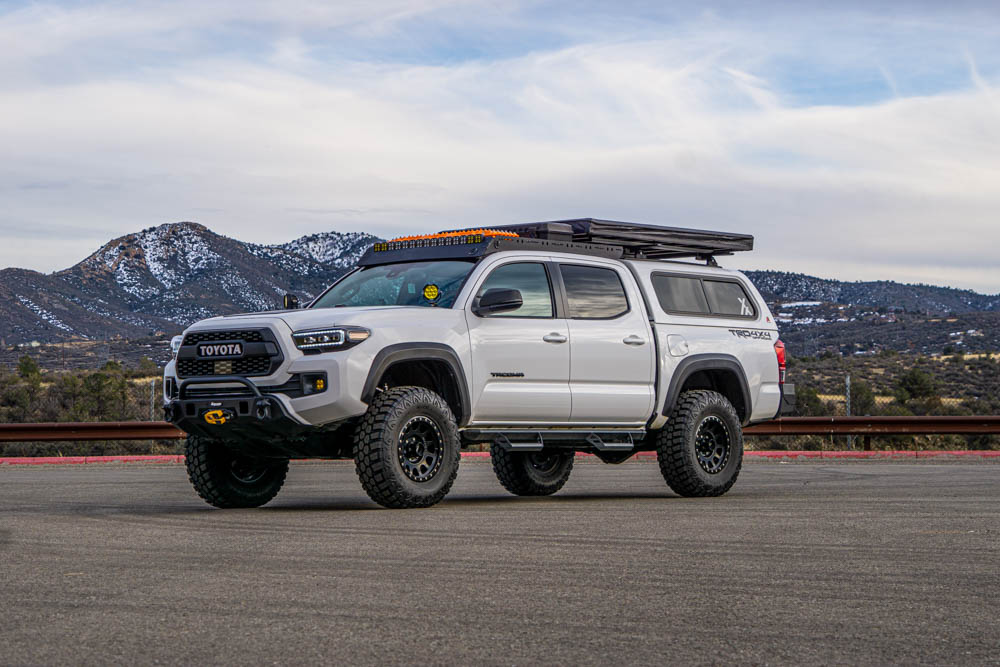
{"x":545,"y":463}
{"x":421,"y":448}
{"x":712,"y":445}
{"x":246,"y":470}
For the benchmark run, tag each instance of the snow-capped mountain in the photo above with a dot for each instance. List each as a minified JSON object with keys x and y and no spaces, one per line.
{"x":165,"y":277}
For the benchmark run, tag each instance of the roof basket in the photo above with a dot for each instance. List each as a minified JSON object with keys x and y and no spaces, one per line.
{"x":637,"y":240}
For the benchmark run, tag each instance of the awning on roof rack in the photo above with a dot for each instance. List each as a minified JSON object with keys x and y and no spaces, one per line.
{"x":652,"y":241}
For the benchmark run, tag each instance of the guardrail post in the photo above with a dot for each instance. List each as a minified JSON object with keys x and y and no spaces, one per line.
{"x":847,"y":407}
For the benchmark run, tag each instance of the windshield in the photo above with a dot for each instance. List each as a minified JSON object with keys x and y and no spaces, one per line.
{"x":434,"y":284}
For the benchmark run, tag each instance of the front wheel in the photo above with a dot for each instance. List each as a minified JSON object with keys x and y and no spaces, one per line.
{"x":531,"y":473}
{"x":700,"y":450}
{"x":226,"y":479}
{"x":406,"y":448}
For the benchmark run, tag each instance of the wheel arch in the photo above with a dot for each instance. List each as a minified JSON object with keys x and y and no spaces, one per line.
{"x":719,"y":372}
{"x":434,"y":366}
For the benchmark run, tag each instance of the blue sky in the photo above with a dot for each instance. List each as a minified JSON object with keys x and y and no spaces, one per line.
{"x":854,"y":140}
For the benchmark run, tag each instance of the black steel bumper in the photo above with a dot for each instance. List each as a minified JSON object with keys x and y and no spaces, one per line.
{"x":229,"y":415}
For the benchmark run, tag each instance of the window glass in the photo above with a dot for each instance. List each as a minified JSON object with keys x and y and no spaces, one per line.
{"x":592,"y":292}
{"x":726,"y":298}
{"x":531,"y":280}
{"x":678,"y":294}
{"x":432,"y":284}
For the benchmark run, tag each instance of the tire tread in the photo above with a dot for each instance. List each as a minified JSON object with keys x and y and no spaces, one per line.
{"x":198,"y":453}
{"x":509,"y":468}
{"x":677,"y":466}
{"x":369,"y":457}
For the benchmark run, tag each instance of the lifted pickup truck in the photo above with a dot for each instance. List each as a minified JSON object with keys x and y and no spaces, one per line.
{"x":541,"y":339}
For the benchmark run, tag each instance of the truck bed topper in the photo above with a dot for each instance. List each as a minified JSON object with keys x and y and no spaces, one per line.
{"x":587,"y":236}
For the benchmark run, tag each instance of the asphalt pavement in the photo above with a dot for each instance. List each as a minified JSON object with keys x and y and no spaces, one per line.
{"x":860,"y":563}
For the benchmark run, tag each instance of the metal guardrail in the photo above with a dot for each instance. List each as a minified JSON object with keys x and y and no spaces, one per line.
{"x":961,"y":425}
{"x":60,"y":431}
{"x":865,"y":426}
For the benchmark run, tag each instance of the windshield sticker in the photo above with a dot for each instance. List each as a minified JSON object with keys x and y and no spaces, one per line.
{"x":431,"y":292}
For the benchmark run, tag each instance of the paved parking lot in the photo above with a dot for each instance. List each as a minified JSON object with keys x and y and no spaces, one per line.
{"x":819,"y":562}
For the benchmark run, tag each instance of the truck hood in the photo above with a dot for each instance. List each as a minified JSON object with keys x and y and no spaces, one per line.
{"x":315,"y":318}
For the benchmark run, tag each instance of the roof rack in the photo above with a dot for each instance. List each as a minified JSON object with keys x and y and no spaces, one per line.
{"x":585,"y":236}
{"x":637,"y":240}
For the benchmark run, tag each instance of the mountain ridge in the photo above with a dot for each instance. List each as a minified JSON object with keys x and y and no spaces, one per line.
{"x":165,"y":277}
{"x":779,"y":286}
{"x":162,"y":278}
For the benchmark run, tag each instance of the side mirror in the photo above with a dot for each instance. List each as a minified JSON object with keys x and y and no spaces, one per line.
{"x":291,"y":302}
{"x":498,"y":301}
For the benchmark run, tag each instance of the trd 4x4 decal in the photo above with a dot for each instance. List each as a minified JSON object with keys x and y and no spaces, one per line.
{"x":751,"y":334}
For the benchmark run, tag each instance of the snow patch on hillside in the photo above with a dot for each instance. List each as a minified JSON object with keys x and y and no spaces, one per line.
{"x":176,"y":252}
{"x":340,"y":250}
{"x":43,"y":314}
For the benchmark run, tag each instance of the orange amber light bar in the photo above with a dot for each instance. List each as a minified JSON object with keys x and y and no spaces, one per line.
{"x":445,"y":235}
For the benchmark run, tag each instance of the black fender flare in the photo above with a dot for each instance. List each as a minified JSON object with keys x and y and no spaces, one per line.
{"x":393,"y":354}
{"x":706,"y":362}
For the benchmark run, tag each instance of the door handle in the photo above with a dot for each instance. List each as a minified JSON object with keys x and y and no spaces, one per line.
{"x":634,"y":340}
{"x":554,"y":338}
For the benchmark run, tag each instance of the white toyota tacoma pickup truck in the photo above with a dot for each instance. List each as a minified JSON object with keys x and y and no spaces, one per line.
{"x":542,"y":340}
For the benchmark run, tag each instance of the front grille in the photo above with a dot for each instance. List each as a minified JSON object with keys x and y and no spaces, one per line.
{"x":257,"y":362}
{"x":210,"y":336}
{"x":244,"y":366}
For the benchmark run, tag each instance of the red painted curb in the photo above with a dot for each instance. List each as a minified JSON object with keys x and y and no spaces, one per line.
{"x":647,"y":456}
{"x":71,"y":460}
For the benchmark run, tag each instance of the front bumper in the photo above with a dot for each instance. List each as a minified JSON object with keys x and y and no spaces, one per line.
{"x":225,"y":414}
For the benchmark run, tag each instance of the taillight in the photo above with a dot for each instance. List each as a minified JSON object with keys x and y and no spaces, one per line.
{"x":779,"y":351}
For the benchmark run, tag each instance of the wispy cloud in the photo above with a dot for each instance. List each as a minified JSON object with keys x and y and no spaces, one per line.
{"x":394,"y":117}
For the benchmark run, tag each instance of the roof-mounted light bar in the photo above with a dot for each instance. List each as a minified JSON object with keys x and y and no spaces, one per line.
{"x":462,"y":237}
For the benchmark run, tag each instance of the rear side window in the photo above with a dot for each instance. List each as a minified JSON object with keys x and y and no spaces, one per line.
{"x":693,"y":295}
{"x":593,"y":293}
{"x":728,"y":299}
{"x":678,"y":294}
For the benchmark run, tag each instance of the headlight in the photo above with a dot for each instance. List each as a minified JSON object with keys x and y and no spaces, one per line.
{"x":175,"y":345}
{"x":327,"y":340}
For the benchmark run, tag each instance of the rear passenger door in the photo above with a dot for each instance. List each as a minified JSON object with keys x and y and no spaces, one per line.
{"x":612,"y":362}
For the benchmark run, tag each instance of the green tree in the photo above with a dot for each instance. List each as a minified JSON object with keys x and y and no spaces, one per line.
{"x":809,"y":404}
{"x":916,"y":383}
{"x":862,"y":398}
{"x":147,"y":368}
{"x":27,"y":368}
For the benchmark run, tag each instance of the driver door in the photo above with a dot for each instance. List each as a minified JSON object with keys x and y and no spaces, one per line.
{"x":520,"y":360}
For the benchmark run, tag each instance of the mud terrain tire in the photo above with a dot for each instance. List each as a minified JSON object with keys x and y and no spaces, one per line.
{"x":406,"y":448}
{"x":700,"y":450}
{"x":227,"y":479}
{"x":531,"y":473}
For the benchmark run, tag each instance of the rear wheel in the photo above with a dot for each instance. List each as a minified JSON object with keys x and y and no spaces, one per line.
{"x":700,"y":450}
{"x":531,"y":473}
{"x":226,"y":479}
{"x":406,"y":448}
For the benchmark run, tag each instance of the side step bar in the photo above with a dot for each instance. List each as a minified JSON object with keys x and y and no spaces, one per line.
{"x":531,"y":440}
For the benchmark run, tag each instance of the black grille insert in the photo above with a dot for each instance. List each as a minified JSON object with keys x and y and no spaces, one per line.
{"x":244,"y":366}
{"x":256,"y":363}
